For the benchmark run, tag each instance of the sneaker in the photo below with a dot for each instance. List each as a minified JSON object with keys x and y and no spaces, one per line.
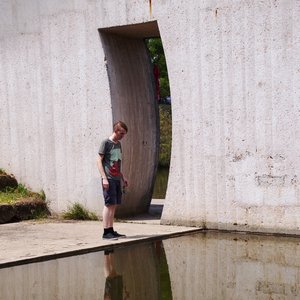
{"x":116,"y":234}
{"x":109,"y":236}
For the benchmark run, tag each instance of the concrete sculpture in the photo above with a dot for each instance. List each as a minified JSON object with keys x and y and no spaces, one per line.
{"x":69,"y":69}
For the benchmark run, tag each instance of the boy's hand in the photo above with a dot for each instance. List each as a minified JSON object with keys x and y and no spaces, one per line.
{"x":105,"y":183}
{"x":125,"y":182}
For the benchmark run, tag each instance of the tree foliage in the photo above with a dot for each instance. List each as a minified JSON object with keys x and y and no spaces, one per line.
{"x":157,"y":55}
{"x":165,"y":135}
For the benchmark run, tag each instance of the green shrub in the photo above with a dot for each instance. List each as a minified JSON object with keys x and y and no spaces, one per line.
{"x":77,"y":212}
{"x":42,"y":195}
{"x":40,"y":213}
{"x":165,"y":114}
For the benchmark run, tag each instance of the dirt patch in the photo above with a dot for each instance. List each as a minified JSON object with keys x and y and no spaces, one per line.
{"x":24,"y":209}
{"x":7,"y":181}
{"x":18,"y":203}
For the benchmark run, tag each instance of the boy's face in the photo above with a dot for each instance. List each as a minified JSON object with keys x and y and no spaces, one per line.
{"x":120,"y":132}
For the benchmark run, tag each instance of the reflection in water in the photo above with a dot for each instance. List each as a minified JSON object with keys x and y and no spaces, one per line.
{"x":114,"y":281}
{"x":127,"y":273}
{"x":200,"y":266}
{"x":234,"y":266}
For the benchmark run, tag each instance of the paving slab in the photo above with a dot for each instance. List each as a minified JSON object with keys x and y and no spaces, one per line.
{"x":31,"y":241}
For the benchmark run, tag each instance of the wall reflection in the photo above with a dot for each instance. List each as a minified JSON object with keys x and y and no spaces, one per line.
{"x":234,"y":266}
{"x":127,"y":273}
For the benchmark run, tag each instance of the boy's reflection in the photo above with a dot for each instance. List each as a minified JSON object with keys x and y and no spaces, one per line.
{"x":114,"y":281}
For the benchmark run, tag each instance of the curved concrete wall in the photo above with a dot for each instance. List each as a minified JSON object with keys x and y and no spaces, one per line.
{"x":133,"y":101}
{"x":233,"y":69}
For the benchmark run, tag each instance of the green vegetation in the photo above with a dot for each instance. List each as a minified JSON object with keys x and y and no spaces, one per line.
{"x":18,"y":203}
{"x":157,"y":55}
{"x":42,"y":195}
{"x":40,"y":213}
{"x":11,"y":195}
{"x":77,"y":212}
{"x":156,"y":52}
{"x":165,"y":135}
{"x":161,"y":182}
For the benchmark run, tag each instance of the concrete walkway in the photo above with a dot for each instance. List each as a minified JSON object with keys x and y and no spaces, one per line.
{"x":32,"y":241}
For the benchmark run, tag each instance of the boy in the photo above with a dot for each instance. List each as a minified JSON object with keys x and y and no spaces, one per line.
{"x":109,"y":165}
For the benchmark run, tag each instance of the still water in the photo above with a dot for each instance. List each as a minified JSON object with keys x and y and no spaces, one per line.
{"x":207,"y":265}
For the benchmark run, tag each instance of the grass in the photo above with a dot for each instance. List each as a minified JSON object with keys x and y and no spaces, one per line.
{"x":165,"y":135}
{"x":77,"y":212}
{"x":20,"y":196}
{"x":11,"y":195}
{"x":40,"y":214}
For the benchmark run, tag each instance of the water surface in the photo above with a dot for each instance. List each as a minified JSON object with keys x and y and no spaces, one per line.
{"x":207,"y":265}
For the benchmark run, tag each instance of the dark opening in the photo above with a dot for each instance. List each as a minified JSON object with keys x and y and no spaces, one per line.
{"x":163,"y":97}
{"x":135,"y":100}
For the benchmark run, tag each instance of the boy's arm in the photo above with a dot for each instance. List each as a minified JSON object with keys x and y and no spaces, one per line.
{"x":105,"y":183}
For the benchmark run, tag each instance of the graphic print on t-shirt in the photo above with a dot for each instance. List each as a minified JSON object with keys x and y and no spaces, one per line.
{"x":115,"y":158}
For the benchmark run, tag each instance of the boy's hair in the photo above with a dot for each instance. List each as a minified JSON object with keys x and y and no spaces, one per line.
{"x":121,"y":124}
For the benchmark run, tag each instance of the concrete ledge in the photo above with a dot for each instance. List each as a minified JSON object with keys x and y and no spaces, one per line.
{"x":33,"y":241}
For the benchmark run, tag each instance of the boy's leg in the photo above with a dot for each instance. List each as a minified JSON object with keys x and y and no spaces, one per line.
{"x":108,"y":215}
{"x":112,"y":198}
{"x":108,"y":219}
{"x":119,"y":200}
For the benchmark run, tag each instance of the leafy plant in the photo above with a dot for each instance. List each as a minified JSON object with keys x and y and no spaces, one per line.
{"x":156,"y":52}
{"x":42,"y":195}
{"x":165,"y":135}
{"x":157,"y":55}
{"x":22,"y":190}
{"x":40,"y":213}
{"x":77,"y":212}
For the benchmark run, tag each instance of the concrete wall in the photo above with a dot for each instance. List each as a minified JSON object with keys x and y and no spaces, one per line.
{"x":55,"y":104}
{"x":60,"y":94}
{"x":233,"y":69}
{"x":235,"y":89}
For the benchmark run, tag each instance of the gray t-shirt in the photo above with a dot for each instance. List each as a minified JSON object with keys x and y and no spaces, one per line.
{"x":112,"y":158}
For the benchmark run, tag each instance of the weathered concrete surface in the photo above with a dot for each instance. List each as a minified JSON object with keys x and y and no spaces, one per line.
{"x":233,"y":69}
{"x":31,"y":241}
{"x":205,"y":265}
{"x":235,"y":91}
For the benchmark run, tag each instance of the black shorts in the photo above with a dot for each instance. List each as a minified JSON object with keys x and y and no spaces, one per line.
{"x":113,"y":195}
